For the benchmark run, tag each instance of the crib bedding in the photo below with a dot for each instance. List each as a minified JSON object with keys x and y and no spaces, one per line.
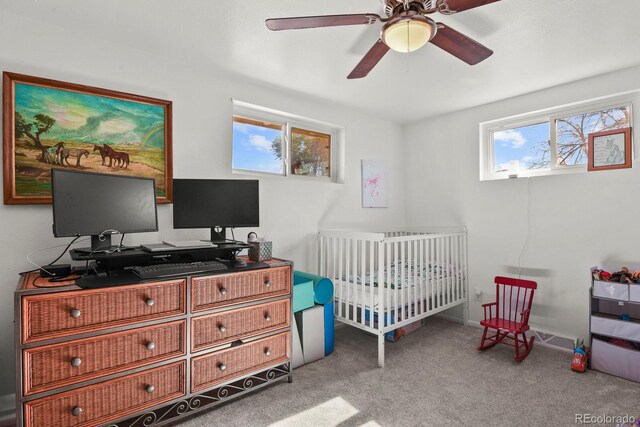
{"x":407,"y":274}
{"x":399,"y":284}
{"x":348,"y":291}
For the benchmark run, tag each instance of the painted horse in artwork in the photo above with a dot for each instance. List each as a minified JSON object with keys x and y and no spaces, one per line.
{"x":51,"y":155}
{"x":121,"y":158}
{"x":100,"y":151}
{"x":73,"y":152}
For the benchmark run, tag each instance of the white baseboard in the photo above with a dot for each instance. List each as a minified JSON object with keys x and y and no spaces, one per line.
{"x":7,"y":409}
{"x":475,"y":324}
{"x":543,"y":338}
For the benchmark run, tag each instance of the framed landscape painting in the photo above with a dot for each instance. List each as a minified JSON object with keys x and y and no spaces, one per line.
{"x":52,"y":124}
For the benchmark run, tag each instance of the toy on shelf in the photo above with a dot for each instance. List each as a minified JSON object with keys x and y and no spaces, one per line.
{"x":621,"y":276}
{"x":599,"y":274}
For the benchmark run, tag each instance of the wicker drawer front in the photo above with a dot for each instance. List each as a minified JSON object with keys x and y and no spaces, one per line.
{"x":61,"y":364}
{"x":68,"y":313}
{"x":223,"y":365}
{"x":214,"y":291}
{"x":215,"y":329}
{"x":112,"y":399}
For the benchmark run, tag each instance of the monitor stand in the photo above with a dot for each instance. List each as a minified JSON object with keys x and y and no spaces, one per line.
{"x":99,"y":243}
{"x":220,"y":237}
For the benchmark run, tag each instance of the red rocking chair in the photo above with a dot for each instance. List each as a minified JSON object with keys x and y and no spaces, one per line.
{"x":511,"y":319}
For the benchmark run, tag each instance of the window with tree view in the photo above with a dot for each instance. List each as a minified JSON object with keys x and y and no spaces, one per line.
{"x":572,"y":132}
{"x":310,"y":153}
{"x":266,"y":142}
{"x":543,"y":144}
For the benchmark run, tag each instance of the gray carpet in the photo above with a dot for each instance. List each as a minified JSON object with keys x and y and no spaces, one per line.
{"x":434,"y":377}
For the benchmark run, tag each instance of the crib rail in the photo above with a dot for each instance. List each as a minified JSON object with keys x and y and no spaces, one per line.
{"x":347,"y":256}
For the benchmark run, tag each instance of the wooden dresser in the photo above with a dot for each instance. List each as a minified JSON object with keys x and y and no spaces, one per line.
{"x":149,"y":353}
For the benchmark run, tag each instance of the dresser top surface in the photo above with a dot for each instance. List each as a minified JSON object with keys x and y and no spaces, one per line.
{"x":31,"y":283}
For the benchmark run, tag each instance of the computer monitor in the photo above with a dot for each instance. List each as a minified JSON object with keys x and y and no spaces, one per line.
{"x":216,"y":204}
{"x":98,"y":205}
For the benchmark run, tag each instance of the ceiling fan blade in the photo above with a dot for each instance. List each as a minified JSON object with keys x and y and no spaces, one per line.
{"x":369,"y":61}
{"x":277,"y":24}
{"x":460,"y":46}
{"x":462,"y":5}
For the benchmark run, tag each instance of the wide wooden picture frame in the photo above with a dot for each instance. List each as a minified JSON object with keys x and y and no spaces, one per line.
{"x":609,"y":149}
{"x":53,"y":124}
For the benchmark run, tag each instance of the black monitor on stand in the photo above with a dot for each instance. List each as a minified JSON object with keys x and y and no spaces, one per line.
{"x":216,"y":204}
{"x":99,"y":205}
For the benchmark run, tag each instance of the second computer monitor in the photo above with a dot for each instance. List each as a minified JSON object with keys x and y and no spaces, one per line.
{"x":216,"y":204}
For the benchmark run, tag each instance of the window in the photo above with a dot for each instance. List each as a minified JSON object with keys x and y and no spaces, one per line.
{"x":525,"y":147}
{"x":310,"y":153}
{"x":257,"y":145}
{"x":548,"y":142}
{"x":270,"y":142}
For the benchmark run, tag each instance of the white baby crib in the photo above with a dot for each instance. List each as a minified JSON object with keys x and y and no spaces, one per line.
{"x":386,"y":280}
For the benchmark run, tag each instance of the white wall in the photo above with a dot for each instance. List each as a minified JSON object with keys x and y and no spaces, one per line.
{"x":576,"y":221}
{"x":291,"y":209}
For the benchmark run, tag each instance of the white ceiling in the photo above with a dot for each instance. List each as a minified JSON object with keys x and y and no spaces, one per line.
{"x":537,"y":44}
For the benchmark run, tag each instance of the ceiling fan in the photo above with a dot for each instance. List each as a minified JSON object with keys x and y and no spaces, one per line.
{"x":406,"y":28}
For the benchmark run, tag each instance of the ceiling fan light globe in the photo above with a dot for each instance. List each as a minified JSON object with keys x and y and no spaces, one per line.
{"x":408,"y":35}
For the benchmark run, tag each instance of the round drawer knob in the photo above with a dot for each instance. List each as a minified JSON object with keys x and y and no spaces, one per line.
{"x":222,"y":366}
{"x":75,"y":313}
{"x":76,"y":411}
{"x":222,"y":328}
{"x":223,"y":290}
{"x":151,"y":345}
{"x":150,"y":388}
{"x":150,"y":302}
{"x":76,"y":361}
{"x":267,"y":283}
{"x":267,"y":352}
{"x":267,"y":317}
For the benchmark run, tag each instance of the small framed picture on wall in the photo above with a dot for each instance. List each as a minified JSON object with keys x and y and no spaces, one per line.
{"x":609,"y":149}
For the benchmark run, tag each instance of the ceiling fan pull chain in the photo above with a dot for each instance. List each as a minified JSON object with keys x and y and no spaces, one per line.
{"x":408,"y":43}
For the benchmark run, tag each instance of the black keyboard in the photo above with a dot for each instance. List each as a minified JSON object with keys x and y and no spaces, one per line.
{"x":177,"y":269}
